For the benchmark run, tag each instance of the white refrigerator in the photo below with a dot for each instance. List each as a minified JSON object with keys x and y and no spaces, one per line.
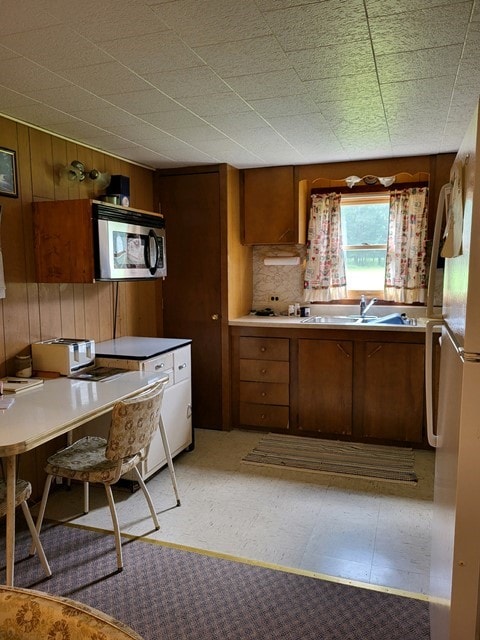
{"x":455,"y":559}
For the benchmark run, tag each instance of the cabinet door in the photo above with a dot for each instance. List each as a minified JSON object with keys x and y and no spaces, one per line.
{"x":325,"y":371}
{"x":390,"y":397}
{"x":63,"y":241}
{"x":269,"y":212}
{"x":192,"y":289}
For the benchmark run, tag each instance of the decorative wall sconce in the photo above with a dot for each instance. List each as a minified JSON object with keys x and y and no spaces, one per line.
{"x":76,"y":172}
{"x":385,"y":181}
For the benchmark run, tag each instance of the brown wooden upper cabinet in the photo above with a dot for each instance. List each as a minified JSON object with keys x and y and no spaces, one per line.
{"x":63,"y":241}
{"x":273,"y":209}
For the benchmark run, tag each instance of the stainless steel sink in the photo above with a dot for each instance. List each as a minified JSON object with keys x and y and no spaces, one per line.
{"x":332,"y":320}
{"x":391,"y":319}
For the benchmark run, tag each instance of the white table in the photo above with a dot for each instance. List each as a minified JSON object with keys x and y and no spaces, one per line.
{"x":55,"y":408}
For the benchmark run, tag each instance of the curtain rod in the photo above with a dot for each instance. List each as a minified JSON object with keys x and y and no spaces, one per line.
{"x":369,"y":188}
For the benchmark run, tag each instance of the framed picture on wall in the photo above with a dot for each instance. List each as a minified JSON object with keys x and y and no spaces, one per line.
{"x":8,"y":173}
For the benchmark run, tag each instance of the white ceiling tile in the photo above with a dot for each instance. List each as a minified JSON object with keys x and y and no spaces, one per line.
{"x":167,"y":120}
{"x":356,"y":110}
{"x":108,"y":19}
{"x":56,"y":47}
{"x":239,"y":57}
{"x":333,"y":60}
{"x":187,"y":82}
{"x":284,"y":106}
{"x":146,"y":156}
{"x":200,"y":23}
{"x":26,"y":15}
{"x":196,"y":135}
{"x":420,"y":29}
{"x":78,"y":130}
{"x":105,"y":78}
{"x":233,"y":153}
{"x":7,"y":54}
{"x":321,"y":24}
{"x":236,"y":122}
{"x":153,"y":53}
{"x":253,"y":83}
{"x":216,"y":104}
{"x":10,"y":98}
{"x":267,"y":85}
{"x":416,"y":97}
{"x":23,"y":75}
{"x":108,"y":141}
{"x":138,"y":132}
{"x":105,"y":117}
{"x":68,"y":98}
{"x":359,"y":86}
{"x":147,"y":101}
{"x":423,"y":63}
{"x":389,"y":7}
{"x":38,"y":114}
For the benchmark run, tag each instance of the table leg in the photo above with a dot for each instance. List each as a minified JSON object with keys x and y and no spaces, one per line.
{"x":10,"y":517}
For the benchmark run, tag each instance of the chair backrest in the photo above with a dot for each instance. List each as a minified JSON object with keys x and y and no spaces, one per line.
{"x":134,"y":422}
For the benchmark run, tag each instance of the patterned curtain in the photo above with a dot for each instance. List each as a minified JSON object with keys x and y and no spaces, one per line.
{"x":325,"y":269}
{"x":406,"y":264}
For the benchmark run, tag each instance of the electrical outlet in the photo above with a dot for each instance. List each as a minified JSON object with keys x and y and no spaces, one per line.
{"x":273,"y":298}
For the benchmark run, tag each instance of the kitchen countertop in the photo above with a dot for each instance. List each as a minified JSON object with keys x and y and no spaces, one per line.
{"x":296,"y":322}
{"x":138,"y":348}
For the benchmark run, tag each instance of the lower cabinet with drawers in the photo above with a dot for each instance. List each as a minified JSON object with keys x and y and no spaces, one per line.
{"x":264,"y":379}
{"x":363,"y":385}
{"x":177,"y":400}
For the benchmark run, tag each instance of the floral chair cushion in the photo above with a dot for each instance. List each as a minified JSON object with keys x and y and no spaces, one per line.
{"x":26,"y":614}
{"x":94,"y":459}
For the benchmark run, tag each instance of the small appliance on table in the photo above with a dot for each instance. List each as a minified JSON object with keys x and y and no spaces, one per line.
{"x":63,"y":355}
{"x":168,"y":356}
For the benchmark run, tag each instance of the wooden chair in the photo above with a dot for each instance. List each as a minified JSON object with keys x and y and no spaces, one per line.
{"x":94,"y":459}
{"x":23,"y":491}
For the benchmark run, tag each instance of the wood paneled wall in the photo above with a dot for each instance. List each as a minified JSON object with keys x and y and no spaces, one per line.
{"x":32,"y":311}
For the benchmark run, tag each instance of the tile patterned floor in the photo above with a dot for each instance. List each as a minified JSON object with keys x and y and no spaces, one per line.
{"x":369,"y":531}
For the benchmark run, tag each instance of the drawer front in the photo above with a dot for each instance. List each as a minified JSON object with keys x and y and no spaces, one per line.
{"x":264,"y":393}
{"x":260,"y":415}
{"x":264,"y":348}
{"x":264,"y":371}
{"x":182,"y":364}
{"x":159,"y":363}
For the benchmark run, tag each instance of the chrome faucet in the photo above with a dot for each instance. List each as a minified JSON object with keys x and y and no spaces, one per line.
{"x":364,"y":306}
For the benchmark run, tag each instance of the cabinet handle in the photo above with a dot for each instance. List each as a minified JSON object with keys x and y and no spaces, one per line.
{"x":189,"y":410}
{"x":263,"y":394}
{"x":215,"y":316}
{"x":159,"y":366}
{"x":263,"y":416}
{"x":345,"y":353}
{"x":263,"y":371}
{"x":284,"y":234}
{"x":263,"y":349}
{"x":375,"y":351}
{"x":182,"y":366}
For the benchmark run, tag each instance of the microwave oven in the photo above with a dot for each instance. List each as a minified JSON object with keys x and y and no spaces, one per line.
{"x":129,"y":244}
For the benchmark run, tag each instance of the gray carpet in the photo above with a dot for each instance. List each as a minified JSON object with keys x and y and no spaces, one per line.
{"x":353,"y":459}
{"x":171,"y":594}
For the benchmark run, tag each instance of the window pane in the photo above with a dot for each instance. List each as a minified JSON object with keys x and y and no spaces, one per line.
{"x":365,"y":224}
{"x":365,"y":269}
